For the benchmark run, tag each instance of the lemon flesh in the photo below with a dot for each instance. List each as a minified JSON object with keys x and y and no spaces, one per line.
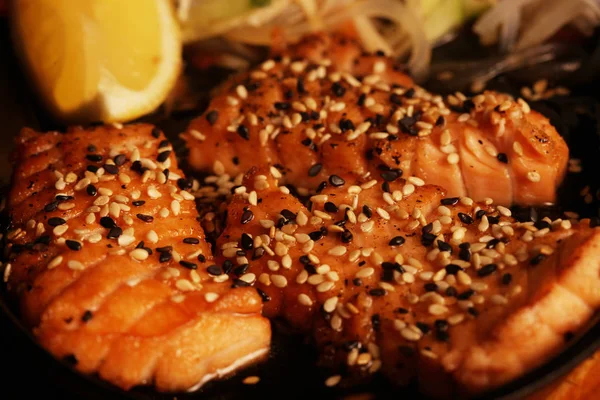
{"x":107,"y":60}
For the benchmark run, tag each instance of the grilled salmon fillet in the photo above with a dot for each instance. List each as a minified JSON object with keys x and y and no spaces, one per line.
{"x":325,"y":107}
{"x":109,"y":263}
{"x":398,"y":277}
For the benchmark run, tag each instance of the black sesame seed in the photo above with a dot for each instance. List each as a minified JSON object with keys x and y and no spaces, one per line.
{"x":188,"y":264}
{"x":287,"y":214}
{"x":202,"y":258}
{"x":506,"y":279}
{"x":409,"y":93}
{"x":62,"y":197}
{"x":138,"y":203}
{"x":357,"y":282}
{"x":165,"y":257}
{"x":87,"y":315}
{"x":107,"y":222}
{"x":258,"y":253}
{"x":163,"y":143}
{"x":163,"y":155}
{"x":243,"y":131}
{"x":300,"y":86}
{"x":212,"y":116}
{"x":450,"y":201}
{"x":246,"y":242}
{"x":214,"y":270}
{"x":487,"y":270}
{"x":440,"y":121}
{"x":537,"y":259}
{"x":473,"y":311}
{"x":427,"y":239}
{"x":451,"y":291}
{"x":376,"y":322}
{"x":330,"y":207}
{"x":73,"y":245}
{"x":442,"y":336}
{"x":145,"y":218}
{"x":361,"y":99}
{"x":338,"y":89}
{"x":247,"y":216}
{"x":502,"y":157}
{"x":321,"y":186}
{"x":120,"y":159}
{"x":397,"y":241}
{"x":430,"y":287}
{"x":282,"y":105}
{"x":452,"y":269}
{"x":56,"y":221}
{"x":92,"y":168}
{"x":479,"y":214}
{"x":265,"y":297}
{"x":346,"y":125}
{"x":391,"y":175}
{"x":464,"y":254}
{"x":94,"y":157}
{"x":91,"y":148}
{"x":492,"y":243}
{"x":423,"y":327}
{"x":336,"y":181}
{"x":367,"y":211}
{"x":396,"y":99}
{"x":91,"y":190}
{"x":114,"y":232}
{"x":111,"y":169}
{"x":314,"y":170}
{"x":239,"y":283}
{"x":466,"y":294}
{"x":241,"y":270}
{"x":465,"y":218}
{"x":51,"y":206}
{"x":347,"y":236}
{"x":443,"y":246}
{"x":155,"y":132}
{"x":316,"y":235}
{"x":377,"y":292}
{"x":191,"y":240}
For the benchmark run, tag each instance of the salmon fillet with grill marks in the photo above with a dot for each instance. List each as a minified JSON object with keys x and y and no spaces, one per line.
{"x":398,"y":277}
{"x":325,"y":107}
{"x":108,"y":262}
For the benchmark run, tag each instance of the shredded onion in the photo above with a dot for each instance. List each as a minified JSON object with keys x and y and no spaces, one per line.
{"x":512,"y":24}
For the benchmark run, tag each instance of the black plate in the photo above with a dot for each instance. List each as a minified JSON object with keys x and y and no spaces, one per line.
{"x":291,"y":368}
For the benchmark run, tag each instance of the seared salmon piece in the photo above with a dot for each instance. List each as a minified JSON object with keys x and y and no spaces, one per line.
{"x":304,"y":115}
{"x":109,"y":263}
{"x":395,"y":276}
{"x":324,"y":107}
{"x":495,"y":148}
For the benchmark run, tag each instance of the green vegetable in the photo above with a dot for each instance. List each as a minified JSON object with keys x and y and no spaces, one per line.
{"x":442,"y":16}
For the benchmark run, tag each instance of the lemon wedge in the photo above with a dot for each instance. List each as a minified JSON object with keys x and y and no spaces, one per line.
{"x":98,"y":60}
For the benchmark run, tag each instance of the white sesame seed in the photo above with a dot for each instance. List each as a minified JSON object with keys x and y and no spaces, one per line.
{"x":337,"y":251}
{"x":304,"y":299}
{"x":184,"y":285}
{"x":75,"y":265}
{"x":333,"y":380}
{"x":60,"y":229}
{"x":139,"y":254}
{"x":55,"y":262}
{"x":211,"y":297}
{"x":325,"y":286}
{"x":279,"y":281}
{"x":533,"y":176}
{"x":365,"y":272}
{"x":126,"y":240}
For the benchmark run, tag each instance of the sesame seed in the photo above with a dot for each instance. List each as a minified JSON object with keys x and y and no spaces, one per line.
{"x":279,"y":281}
{"x":211,"y":297}
{"x":337,"y":251}
{"x":333,"y":380}
{"x":139,"y":254}
{"x":56,"y":261}
{"x":75,"y":265}
{"x":533,"y":176}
